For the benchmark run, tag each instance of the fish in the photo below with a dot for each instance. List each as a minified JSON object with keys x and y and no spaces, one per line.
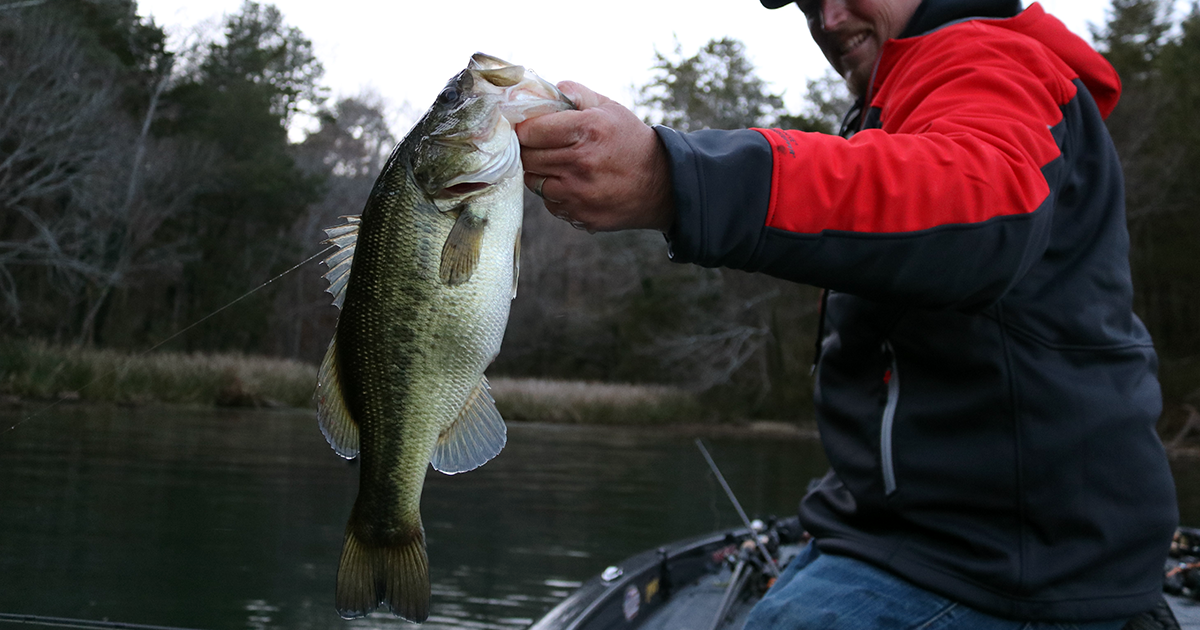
{"x":424,"y":278}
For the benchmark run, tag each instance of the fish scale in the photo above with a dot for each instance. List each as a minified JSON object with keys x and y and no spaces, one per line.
{"x":424,"y":278}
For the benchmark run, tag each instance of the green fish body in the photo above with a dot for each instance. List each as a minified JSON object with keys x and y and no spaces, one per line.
{"x":424,"y":278}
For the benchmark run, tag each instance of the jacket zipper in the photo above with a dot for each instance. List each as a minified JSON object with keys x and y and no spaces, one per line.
{"x":889,"y":418}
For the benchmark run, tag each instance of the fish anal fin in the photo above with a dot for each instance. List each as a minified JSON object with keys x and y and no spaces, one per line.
{"x":460,"y":254}
{"x":474,"y":438}
{"x":394,"y":576}
{"x":338,"y":427}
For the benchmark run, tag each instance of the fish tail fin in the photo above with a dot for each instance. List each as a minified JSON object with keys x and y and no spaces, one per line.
{"x":395,"y":576}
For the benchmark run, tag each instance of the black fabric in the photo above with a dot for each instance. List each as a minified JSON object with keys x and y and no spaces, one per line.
{"x":704,"y":188}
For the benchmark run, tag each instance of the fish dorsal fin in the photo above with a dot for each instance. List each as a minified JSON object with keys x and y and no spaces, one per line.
{"x":339,"y":429}
{"x":516,"y":261}
{"x":475,"y":437}
{"x":460,"y":254}
{"x":344,"y":236}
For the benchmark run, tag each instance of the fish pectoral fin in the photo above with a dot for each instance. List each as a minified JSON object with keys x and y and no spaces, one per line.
{"x":475,"y":437}
{"x":338,"y":427}
{"x":460,"y":254}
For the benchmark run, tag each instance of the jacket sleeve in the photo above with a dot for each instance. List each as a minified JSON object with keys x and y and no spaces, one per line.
{"x":946,"y":205}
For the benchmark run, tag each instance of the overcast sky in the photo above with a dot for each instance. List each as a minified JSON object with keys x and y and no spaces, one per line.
{"x":406,"y":49}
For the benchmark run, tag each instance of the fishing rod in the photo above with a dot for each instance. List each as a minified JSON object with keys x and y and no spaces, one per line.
{"x":177,"y":334}
{"x":770,"y":564}
{"x":89,"y":624}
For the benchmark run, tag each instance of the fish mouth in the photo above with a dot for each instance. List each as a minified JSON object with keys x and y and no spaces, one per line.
{"x":462,"y":189}
{"x":499,"y":165}
{"x":524,"y":93}
{"x":533,"y":96}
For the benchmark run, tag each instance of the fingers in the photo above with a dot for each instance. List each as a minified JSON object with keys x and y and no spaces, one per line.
{"x":561,"y":129}
{"x":583,"y":97}
{"x":599,"y":167}
{"x":536,"y":183}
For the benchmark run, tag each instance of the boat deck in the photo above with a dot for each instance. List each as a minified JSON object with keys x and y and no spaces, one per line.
{"x":696,"y":607}
{"x":1187,"y":612}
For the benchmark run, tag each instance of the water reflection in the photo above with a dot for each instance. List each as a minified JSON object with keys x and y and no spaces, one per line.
{"x":232,"y":519}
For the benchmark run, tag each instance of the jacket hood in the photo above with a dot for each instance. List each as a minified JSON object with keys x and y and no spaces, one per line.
{"x":1092,"y":68}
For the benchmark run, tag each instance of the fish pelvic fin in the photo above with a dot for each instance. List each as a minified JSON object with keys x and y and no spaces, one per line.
{"x":475,"y":437}
{"x":395,"y":577}
{"x":460,"y":254}
{"x":338,"y":427}
{"x":345,"y":237}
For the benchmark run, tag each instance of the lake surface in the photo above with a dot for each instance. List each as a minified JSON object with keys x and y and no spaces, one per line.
{"x":234,"y":519}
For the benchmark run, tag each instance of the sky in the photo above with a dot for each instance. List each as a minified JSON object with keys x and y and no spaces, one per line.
{"x":406,"y":50}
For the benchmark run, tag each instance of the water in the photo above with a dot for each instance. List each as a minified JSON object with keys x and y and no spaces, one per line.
{"x":234,"y":519}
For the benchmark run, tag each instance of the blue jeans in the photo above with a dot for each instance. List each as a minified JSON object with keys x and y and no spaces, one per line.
{"x":819,"y":591}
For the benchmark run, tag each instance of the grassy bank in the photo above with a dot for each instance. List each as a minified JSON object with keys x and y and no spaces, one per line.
{"x":34,"y":370}
{"x":38,"y":371}
{"x":577,"y":402}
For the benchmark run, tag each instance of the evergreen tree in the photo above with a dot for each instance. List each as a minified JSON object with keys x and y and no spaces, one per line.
{"x":240,"y":97}
{"x":714,"y":89}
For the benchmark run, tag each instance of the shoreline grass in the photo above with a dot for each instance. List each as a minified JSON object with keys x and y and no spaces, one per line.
{"x":587,"y":402}
{"x":37,"y":370}
{"x":34,"y":370}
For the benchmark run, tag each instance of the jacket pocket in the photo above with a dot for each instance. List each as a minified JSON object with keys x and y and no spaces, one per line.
{"x":892,"y":379}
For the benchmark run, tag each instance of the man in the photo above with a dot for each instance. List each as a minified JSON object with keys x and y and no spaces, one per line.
{"x":985,"y":395}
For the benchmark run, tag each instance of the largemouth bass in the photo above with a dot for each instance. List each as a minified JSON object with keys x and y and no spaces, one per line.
{"x":424,"y":278}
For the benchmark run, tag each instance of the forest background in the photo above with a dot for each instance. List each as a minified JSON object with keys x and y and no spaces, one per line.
{"x":143,"y":188}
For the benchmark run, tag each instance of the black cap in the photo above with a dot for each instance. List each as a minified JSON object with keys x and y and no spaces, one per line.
{"x":775,"y":4}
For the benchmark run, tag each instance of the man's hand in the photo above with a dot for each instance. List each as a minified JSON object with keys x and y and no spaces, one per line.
{"x":599,"y":167}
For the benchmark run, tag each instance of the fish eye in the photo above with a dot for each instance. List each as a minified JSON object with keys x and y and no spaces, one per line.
{"x":448,"y":95}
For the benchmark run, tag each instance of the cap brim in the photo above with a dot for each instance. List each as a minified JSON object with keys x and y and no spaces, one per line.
{"x":775,"y":4}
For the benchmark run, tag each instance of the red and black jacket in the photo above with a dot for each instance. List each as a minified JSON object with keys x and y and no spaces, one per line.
{"x":985,"y":394}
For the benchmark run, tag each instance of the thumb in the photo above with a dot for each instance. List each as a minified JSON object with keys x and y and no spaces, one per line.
{"x":581,"y":95}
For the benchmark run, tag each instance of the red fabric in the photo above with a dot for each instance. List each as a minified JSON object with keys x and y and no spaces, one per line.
{"x":966,"y":113}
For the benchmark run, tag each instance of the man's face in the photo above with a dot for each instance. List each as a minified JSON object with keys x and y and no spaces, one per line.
{"x":852,"y":32}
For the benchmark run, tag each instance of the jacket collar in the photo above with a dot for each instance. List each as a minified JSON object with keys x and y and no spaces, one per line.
{"x":933,"y":14}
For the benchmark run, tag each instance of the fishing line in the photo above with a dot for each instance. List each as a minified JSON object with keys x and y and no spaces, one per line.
{"x":178,"y":333}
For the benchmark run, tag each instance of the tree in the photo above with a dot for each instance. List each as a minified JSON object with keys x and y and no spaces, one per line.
{"x":714,"y":89}
{"x":260,"y":49}
{"x":348,"y":151}
{"x":240,"y":97}
{"x":1159,"y":146}
{"x":826,"y":102}
{"x":82,"y":208}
